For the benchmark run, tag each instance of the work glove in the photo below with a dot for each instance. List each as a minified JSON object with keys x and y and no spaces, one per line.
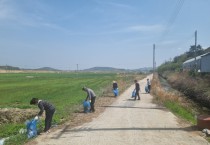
{"x":36,"y":118}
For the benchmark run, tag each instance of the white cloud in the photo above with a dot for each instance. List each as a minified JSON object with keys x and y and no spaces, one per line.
{"x":6,"y":10}
{"x":36,"y":17}
{"x":114,"y":4}
{"x":168,"y":42}
{"x":145,"y":28}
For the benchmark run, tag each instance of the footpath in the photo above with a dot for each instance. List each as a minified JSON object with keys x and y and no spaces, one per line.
{"x":127,"y":122}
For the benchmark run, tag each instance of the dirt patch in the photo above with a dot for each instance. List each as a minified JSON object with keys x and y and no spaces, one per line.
{"x":15,"y":115}
{"x":81,"y":118}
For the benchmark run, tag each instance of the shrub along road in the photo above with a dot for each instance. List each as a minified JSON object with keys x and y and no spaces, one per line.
{"x":127,"y":122}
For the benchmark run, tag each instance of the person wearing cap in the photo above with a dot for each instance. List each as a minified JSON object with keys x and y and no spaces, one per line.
{"x":90,"y":96}
{"x":137,"y":88}
{"x":49,"y":111}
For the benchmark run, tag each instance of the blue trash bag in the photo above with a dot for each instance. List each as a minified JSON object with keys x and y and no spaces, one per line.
{"x":86,"y":105}
{"x":116,"y":92}
{"x":31,"y":128}
{"x":133,"y":93}
{"x":146,"y":89}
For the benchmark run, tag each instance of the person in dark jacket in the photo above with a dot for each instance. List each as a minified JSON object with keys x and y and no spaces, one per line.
{"x":114,"y":85}
{"x":90,"y":96}
{"x":137,"y":88}
{"x":49,"y":111}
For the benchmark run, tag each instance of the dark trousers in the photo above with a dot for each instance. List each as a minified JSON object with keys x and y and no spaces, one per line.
{"x":48,"y":119}
{"x":92,"y":108}
{"x":137,"y":94}
{"x":149,"y":87}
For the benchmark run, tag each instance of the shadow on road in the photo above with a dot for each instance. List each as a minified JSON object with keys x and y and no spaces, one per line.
{"x":67,"y":130}
{"x":190,"y":128}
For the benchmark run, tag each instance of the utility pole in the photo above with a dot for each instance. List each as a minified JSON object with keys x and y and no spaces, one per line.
{"x":77,"y":67}
{"x":153,"y":59}
{"x":195,"y":50}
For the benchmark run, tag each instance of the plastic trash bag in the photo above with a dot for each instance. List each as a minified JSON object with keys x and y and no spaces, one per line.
{"x":146,"y":89}
{"x":133,"y":93}
{"x":86,"y":105}
{"x":2,"y":141}
{"x":31,"y":128}
{"x":116,"y":92}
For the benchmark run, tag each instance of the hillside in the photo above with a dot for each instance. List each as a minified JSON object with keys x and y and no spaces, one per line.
{"x":93,"y":69}
{"x":47,"y":69}
{"x":7,"y":67}
{"x":111,"y":69}
{"x":103,"y":69}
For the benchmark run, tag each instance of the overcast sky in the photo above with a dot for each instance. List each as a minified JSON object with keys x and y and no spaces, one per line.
{"x":108,"y":33}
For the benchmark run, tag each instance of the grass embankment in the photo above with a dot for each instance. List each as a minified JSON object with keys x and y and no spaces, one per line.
{"x":196,"y":87}
{"x":61,"y":89}
{"x":173,"y":100}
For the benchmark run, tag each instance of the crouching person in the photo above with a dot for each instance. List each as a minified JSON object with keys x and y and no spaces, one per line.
{"x":49,"y":111}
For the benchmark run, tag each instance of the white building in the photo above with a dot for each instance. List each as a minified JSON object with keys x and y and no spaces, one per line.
{"x":202,"y":63}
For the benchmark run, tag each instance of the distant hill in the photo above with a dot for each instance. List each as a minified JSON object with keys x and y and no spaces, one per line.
{"x":103,"y":69}
{"x":93,"y":69}
{"x":7,"y":67}
{"x":111,"y":69}
{"x":144,"y":69}
{"x":46,"y":69}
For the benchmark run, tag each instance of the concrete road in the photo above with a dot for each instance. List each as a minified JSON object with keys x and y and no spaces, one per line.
{"x":127,"y":122}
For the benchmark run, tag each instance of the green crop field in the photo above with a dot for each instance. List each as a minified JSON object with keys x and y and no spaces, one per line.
{"x":61,"y":89}
{"x":64,"y":90}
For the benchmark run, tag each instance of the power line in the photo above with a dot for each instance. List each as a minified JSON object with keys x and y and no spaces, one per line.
{"x":172,"y":19}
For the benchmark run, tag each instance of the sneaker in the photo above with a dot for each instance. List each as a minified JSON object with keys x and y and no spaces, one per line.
{"x":47,"y":132}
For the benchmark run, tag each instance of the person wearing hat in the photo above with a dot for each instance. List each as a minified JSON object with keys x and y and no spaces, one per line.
{"x":115,"y":88}
{"x":90,"y":96}
{"x":49,"y":111}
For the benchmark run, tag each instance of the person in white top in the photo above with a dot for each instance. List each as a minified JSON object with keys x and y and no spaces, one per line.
{"x":149,"y":85}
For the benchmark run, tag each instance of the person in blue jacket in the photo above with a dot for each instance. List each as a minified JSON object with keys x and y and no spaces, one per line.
{"x":49,"y":111}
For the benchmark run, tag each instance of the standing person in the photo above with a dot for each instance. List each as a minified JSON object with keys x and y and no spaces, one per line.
{"x":115,"y":88}
{"x":49,"y":111}
{"x":137,"y":88}
{"x":90,"y":96}
{"x":149,"y":85}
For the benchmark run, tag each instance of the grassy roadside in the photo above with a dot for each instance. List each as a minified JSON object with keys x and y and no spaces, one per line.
{"x":173,"y":100}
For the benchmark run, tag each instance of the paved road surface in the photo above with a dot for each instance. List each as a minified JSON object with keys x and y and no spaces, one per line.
{"x":127,"y":122}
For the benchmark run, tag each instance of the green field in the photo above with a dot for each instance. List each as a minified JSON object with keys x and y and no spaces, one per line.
{"x":64,"y":90}
{"x":61,"y":89}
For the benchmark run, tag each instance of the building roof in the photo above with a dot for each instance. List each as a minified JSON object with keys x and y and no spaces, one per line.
{"x":197,"y":58}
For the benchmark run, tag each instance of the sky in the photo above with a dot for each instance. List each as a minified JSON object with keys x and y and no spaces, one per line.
{"x":64,"y":34}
